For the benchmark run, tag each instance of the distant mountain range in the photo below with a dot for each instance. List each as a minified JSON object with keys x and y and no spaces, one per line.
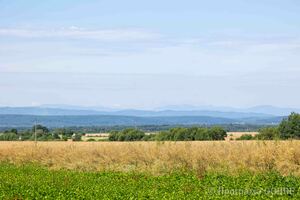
{"x":110,"y":120}
{"x":262,"y":109}
{"x":138,"y":113}
{"x":61,"y":115}
{"x":183,"y":110}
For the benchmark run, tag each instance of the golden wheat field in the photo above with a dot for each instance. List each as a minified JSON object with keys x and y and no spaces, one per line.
{"x":158,"y":157}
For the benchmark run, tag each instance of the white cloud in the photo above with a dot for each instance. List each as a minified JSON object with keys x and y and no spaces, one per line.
{"x":141,"y":51}
{"x":211,"y":70}
{"x":74,"y":32}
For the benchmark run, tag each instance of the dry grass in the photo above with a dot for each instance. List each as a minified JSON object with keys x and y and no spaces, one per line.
{"x":236,"y":135}
{"x":159,"y":158}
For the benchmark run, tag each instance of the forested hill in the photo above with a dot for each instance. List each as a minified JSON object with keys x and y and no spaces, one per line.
{"x":109,"y":120}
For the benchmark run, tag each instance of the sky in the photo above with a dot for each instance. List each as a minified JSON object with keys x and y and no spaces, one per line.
{"x":148,"y":54}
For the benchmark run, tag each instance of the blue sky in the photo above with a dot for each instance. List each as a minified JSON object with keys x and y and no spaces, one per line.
{"x":145,"y":54}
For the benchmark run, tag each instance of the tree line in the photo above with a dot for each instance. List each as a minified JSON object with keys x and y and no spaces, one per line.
{"x":289,"y":128}
{"x":173,"y":134}
{"x":147,"y":128}
{"x":40,"y":133}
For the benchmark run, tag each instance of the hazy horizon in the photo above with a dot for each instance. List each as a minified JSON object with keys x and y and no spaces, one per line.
{"x":167,"y":107}
{"x":133,"y":54}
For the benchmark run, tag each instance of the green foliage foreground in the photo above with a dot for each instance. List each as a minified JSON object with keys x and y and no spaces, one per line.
{"x":32,"y":182}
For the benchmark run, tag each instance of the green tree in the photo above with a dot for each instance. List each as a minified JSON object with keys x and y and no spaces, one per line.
{"x":64,"y":132}
{"x":217,"y":133}
{"x":179,"y":134}
{"x":9,"y":137}
{"x":202,"y":134}
{"x":290,"y":127}
{"x":246,"y":137}
{"x":13,"y":130}
{"x":25,"y":135}
{"x":55,"y":136}
{"x":269,"y":133}
{"x":76,"y":137}
{"x":44,"y":129}
{"x":126,"y":135}
{"x":113,"y":136}
{"x":163,"y":136}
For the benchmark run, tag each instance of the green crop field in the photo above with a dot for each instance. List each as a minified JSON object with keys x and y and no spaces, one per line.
{"x":34,"y":182}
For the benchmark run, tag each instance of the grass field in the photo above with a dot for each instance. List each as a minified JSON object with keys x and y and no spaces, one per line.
{"x":150,"y":170}
{"x":236,"y":135}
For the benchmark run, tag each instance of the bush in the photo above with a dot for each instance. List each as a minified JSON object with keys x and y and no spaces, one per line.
{"x":64,"y":138}
{"x":76,"y":137}
{"x":269,"y":133}
{"x":9,"y":137}
{"x":148,"y":138}
{"x":245,"y":137}
{"x":113,"y":136}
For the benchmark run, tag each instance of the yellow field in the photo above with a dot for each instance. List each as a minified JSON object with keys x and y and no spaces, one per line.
{"x":236,"y":135}
{"x":96,"y":138}
{"x":158,"y":158}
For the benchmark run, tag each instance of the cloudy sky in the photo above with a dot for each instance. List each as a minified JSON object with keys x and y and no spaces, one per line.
{"x":145,"y":54}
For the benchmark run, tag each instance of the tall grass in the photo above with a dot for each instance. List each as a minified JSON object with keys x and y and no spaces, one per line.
{"x":159,"y":157}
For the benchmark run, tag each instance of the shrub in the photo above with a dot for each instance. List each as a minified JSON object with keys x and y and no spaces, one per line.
{"x":147,"y":138}
{"x":76,"y":137}
{"x":9,"y":137}
{"x":64,"y":138}
{"x":245,"y":137}
{"x":113,"y":136}
{"x":269,"y":133}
